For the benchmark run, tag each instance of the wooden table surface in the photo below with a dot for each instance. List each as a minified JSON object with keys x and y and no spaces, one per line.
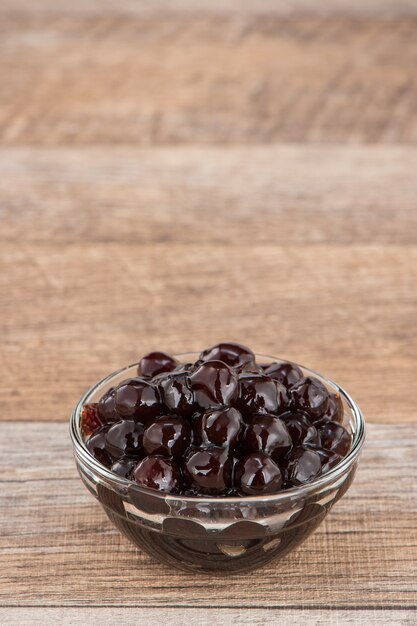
{"x":171,"y":177}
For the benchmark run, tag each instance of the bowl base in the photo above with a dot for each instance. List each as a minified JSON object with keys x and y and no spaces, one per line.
{"x":211,"y":555}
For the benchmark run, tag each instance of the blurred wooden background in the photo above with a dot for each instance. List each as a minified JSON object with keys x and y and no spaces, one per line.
{"x":172,"y":175}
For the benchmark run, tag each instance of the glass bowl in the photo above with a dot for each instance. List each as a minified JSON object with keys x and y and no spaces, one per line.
{"x":223,"y":534}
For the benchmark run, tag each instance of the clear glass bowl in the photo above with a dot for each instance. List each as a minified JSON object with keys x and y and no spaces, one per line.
{"x":225,"y":534}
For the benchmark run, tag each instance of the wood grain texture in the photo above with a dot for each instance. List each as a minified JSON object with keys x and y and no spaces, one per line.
{"x":108,"y":616}
{"x":122,"y":301}
{"x":368,"y":8}
{"x":281,"y":195}
{"x":171,"y":177}
{"x":121,"y":79}
{"x":170,"y":244}
{"x":52,"y":532}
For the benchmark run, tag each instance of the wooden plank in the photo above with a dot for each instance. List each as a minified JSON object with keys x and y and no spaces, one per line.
{"x":281,"y":195}
{"x":169,"y":79}
{"x":200,"y":617}
{"x":94,"y":266}
{"x":57,"y":547}
{"x":245,"y":7}
{"x":72,"y":314}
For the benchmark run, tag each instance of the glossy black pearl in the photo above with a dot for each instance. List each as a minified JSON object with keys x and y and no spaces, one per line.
{"x":268,"y":434}
{"x":208,"y":471}
{"x":334,"y":437}
{"x":214,"y":384}
{"x":158,"y":473}
{"x":328,"y":459}
{"x":106,"y":407}
{"x":220,"y":427}
{"x":302,"y":466}
{"x":139,"y":399}
{"x":185,"y":367}
{"x":223,"y":425}
{"x":310,"y":396}
{"x":155,"y":363}
{"x":169,"y":435}
{"x":176,"y":393}
{"x":302,"y":431}
{"x":258,"y":474}
{"x":234,"y":354}
{"x":250,"y":368}
{"x":90,"y":419}
{"x":97,"y":446}
{"x":334,"y":411}
{"x":124,"y":438}
{"x":123,"y":467}
{"x":286,"y":373}
{"x":261,"y":394}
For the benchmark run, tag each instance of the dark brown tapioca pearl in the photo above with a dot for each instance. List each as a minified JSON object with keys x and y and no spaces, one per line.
{"x":260,"y":394}
{"x":285,"y":372}
{"x":123,"y":467}
{"x":263,"y":366}
{"x":158,"y":378}
{"x":185,"y":367}
{"x":158,"y":473}
{"x":250,"y":368}
{"x":302,"y":466}
{"x":138,"y":399}
{"x":124,"y":438}
{"x":234,"y":354}
{"x":310,"y":396}
{"x":106,"y":407}
{"x":258,"y":474}
{"x":334,"y":437}
{"x":268,"y":434}
{"x":97,"y":446}
{"x":282,"y":397}
{"x":235,"y":462}
{"x":334,"y":411}
{"x":156,"y":363}
{"x":214,"y":385}
{"x":90,"y":419}
{"x":220,"y":427}
{"x":208,"y":471}
{"x":328,"y":459}
{"x":169,"y":435}
{"x":176,"y":393}
{"x":302,"y":431}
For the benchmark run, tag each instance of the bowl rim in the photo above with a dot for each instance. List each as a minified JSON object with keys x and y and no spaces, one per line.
{"x":81,"y":451}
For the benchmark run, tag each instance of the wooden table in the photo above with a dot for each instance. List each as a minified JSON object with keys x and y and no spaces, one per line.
{"x":169,"y":178}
